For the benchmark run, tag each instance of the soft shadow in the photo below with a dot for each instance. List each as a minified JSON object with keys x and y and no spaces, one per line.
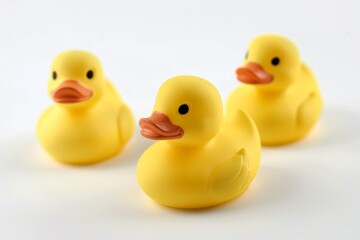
{"x":336,"y":127}
{"x":340,"y":126}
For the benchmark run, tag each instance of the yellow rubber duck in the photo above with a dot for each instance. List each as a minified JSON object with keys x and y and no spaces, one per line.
{"x":88,"y":122}
{"x":202,"y":159}
{"x":281,"y":93}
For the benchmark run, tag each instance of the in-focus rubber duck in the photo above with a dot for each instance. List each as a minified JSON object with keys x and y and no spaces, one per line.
{"x":89,"y":122}
{"x":201,"y":159}
{"x":281,"y":93}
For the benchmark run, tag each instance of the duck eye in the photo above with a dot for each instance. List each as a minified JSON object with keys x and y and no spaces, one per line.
{"x":54,"y":75}
{"x":275,"y":61}
{"x":90,"y":74}
{"x":183,"y":109}
{"x":247,"y":55}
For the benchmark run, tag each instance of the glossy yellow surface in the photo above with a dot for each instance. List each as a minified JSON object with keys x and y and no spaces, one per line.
{"x":213,"y":162}
{"x":285,"y":109}
{"x":89,"y":131}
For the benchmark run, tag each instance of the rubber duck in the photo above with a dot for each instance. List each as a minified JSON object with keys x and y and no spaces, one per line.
{"x":201,"y":159}
{"x":281,"y":93}
{"x":88,"y":121}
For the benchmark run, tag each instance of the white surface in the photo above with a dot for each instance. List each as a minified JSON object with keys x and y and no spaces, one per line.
{"x":307,"y":190}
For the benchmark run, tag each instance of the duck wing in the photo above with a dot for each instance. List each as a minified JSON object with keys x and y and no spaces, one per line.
{"x":230,"y":176}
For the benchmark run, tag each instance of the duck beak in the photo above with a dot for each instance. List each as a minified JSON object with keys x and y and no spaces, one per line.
{"x":71,"y":91}
{"x":159,"y":127}
{"x":253,"y":73}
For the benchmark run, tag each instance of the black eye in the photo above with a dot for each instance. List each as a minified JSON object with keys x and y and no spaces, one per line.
{"x":54,"y":75}
{"x":183,"y":109}
{"x":246,"y":54}
{"x":275,"y":61}
{"x":90,"y":74}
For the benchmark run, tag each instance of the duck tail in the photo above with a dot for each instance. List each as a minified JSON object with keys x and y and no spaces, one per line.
{"x":240,"y":120}
{"x":250,"y":138}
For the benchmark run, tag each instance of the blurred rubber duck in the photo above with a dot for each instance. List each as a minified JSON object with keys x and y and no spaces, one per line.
{"x":202,"y":159}
{"x":88,"y":122}
{"x":281,"y":93}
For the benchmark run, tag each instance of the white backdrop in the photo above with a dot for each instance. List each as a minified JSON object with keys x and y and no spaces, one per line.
{"x":306,"y":190}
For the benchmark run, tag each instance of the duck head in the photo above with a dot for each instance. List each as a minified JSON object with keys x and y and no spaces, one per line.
{"x":272,"y":63}
{"x":76,"y":80}
{"x":187,"y":112}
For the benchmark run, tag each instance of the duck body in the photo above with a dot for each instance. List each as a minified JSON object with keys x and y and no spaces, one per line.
{"x":202,"y":175}
{"x":283,"y":114}
{"x":86,"y":134}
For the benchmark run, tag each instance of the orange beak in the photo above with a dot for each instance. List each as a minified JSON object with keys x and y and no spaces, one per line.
{"x":253,"y":73}
{"x":159,"y":127}
{"x":71,"y":91}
